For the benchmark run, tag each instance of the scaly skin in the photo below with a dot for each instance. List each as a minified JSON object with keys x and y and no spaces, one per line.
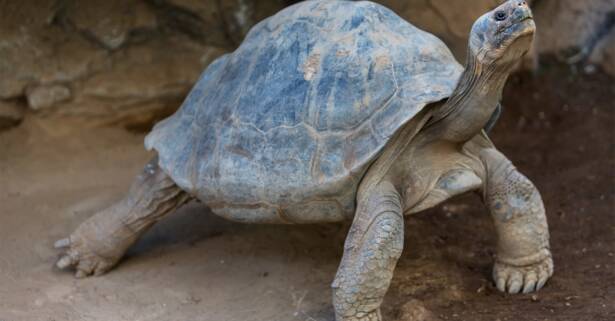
{"x":100,"y":242}
{"x":373,"y":245}
{"x":524,"y":260}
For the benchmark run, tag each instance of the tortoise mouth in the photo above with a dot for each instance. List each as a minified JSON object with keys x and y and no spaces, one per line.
{"x":527,"y":16}
{"x":524,"y":27}
{"x":528,"y":26}
{"x":526,"y":19}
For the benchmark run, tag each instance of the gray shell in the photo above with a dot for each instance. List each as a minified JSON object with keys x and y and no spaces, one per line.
{"x":284,"y":128}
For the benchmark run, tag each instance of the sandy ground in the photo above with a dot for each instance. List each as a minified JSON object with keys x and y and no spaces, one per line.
{"x":559,"y":129}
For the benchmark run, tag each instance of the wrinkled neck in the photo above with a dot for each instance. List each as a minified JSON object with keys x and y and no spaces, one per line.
{"x":473,"y":101}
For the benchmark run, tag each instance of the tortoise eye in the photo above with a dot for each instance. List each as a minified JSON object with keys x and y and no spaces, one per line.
{"x":500,"y":16}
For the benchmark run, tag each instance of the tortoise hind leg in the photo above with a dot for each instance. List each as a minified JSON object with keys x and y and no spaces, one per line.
{"x":373,"y":245}
{"x":100,"y":242}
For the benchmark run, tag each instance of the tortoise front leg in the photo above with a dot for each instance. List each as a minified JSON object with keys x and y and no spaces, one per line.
{"x":101,"y":241}
{"x":524,"y":260}
{"x":373,"y":245}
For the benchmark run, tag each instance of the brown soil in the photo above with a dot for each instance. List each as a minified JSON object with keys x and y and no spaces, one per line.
{"x":558,"y":128}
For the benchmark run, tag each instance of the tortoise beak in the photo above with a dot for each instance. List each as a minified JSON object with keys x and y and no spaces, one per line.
{"x":523,"y":17}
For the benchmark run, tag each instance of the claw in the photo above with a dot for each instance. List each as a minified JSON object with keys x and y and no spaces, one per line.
{"x":65,"y":242}
{"x":65,"y":262}
{"x":501,"y":284}
{"x":525,"y":279}
{"x":514,"y":286}
{"x":515,"y":281}
{"x":541,"y":282}
{"x":86,"y":267}
{"x":530,"y":282}
{"x":530,"y":286}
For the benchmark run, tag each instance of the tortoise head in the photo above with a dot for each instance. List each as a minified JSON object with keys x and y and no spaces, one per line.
{"x":503,"y":35}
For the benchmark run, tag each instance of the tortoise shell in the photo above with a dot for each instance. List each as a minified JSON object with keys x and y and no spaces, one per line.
{"x":284,"y":128}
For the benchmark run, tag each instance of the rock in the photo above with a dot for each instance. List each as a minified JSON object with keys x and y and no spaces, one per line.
{"x":33,"y":50}
{"x":11,"y":114}
{"x":113,"y":55}
{"x":218,"y":23}
{"x":572,"y":30}
{"x":17,"y":44}
{"x":604,"y":53}
{"x":414,"y":310}
{"x":46,"y":96}
{"x":108,"y":22}
{"x":201,"y":20}
{"x":144,"y":83}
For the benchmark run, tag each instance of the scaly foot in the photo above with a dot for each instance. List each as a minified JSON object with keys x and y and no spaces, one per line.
{"x":96,"y":245}
{"x":513,"y":278}
{"x":361,"y":316}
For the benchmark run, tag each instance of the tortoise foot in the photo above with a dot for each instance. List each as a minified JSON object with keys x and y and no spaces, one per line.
{"x":95,"y":246}
{"x":371,"y":316}
{"x":99,"y":243}
{"x":512,"y":278}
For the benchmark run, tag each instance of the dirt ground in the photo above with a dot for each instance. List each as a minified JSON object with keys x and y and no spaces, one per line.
{"x":558,"y":128}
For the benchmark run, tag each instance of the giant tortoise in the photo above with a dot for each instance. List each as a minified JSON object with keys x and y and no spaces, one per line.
{"x":340,"y":110}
